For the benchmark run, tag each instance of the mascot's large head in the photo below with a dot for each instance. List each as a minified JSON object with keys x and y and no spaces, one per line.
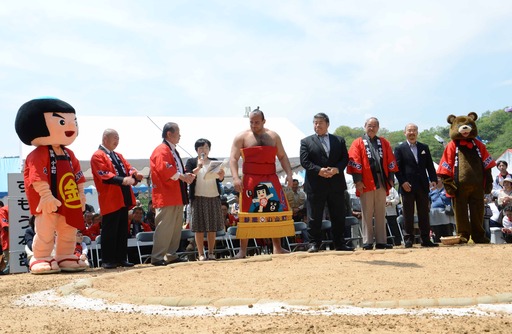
{"x":46,"y":121}
{"x":463,"y":127}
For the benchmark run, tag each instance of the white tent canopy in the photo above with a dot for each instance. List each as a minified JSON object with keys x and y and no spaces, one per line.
{"x":140,"y":135}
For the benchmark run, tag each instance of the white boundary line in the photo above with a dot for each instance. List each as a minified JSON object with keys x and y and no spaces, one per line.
{"x":50,"y":298}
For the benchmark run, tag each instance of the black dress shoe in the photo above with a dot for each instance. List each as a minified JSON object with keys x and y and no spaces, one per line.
{"x":177,"y":260}
{"x":109,"y":265}
{"x":408,"y":244}
{"x":160,"y":263}
{"x":368,"y":246}
{"x":126,"y":264}
{"x":429,"y":244}
{"x":345,"y":247}
{"x":313,"y":249}
{"x":383,"y":246}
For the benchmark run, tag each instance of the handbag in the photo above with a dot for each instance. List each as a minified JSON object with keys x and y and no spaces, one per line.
{"x":449,"y":210}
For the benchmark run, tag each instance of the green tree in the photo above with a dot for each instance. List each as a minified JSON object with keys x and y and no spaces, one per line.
{"x":349,"y":133}
{"x":493,"y":129}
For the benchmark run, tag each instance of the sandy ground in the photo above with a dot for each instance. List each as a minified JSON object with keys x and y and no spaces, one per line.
{"x":450,"y":289}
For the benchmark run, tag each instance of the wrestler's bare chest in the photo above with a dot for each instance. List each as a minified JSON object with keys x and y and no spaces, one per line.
{"x":263,"y":139}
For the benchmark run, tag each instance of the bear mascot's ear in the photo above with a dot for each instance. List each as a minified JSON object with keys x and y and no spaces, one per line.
{"x":473,"y":116}
{"x":30,"y":123}
{"x":450,"y":119}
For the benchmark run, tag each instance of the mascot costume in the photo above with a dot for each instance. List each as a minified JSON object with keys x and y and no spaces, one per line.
{"x":465,"y":170}
{"x":54,"y":183}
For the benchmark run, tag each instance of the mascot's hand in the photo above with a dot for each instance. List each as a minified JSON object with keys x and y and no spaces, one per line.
{"x":449,"y":186}
{"x":81,"y":192}
{"x":48,"y":203}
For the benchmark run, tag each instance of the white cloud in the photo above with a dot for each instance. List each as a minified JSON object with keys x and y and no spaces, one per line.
{"x":391,"y":59}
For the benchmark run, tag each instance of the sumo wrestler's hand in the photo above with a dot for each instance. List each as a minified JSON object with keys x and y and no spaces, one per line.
{"x":449,"y":186}
{"x":48,"y":203}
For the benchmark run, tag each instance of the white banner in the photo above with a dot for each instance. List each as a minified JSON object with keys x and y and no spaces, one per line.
{"x":19,"y":215}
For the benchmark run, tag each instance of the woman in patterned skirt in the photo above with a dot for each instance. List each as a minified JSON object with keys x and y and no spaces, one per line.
{"x":204,"y":195}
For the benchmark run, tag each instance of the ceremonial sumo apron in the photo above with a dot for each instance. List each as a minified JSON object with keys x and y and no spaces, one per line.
{"x":264,"y":210}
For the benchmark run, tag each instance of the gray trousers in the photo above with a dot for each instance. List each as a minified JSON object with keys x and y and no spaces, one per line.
{"x":373,"y":212}
{"x":168,"y":222}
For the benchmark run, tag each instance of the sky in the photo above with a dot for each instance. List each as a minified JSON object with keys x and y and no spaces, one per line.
{"x":401,"y":61}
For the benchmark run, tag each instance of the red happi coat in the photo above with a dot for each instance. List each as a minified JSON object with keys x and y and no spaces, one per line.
{"x":110,"y":196}
{"x":358,"y":163}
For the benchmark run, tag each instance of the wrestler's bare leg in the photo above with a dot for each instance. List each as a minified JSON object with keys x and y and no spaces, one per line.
{"x":243,"y":249}
{"x":278,"y":249}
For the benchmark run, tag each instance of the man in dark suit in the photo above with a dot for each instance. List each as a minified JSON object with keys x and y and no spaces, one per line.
{"x":324,"y":157}
{"x":416,"y":176}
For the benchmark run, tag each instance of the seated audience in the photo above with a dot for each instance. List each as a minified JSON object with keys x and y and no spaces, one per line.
{"x":235,"y":207}
{"x":505,"y":194}
{"x":4,"y":238}
{"x":497,"y":184}
{"x":392,"y":200}
{"x":297,"y":201}
{"x":507,"y":223}
{"x":136,"y":223}
{"x":29,"y":239}
{"x":88,"y":218}
{"x":81,"y":250}
{"x":149,"y":218}
{"x":94,"y":229}
{"x":440,"y":223}
{"x":494,"y":219}
{"x":89,"y":208}
{"x":229,"y":219}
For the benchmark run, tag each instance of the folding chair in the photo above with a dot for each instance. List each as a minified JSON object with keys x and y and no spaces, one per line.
{"x":400,"y":221}
{"x":326,"y":235}
{"x":326,"y":231}
{"x":353,"y":221}
{"x":98,"y":247}
{"x":391,"y":237}
{"x":220,"y":236}
{"x":188,"y":236}
{"x":144,"y":239}
{"x":300,"y":229}
{"x":231,"y":234}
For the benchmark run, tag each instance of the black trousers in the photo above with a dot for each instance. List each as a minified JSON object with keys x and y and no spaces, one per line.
{"x":114,"y":236}
{"x":336,"y":205}
{"x":421,"y":199}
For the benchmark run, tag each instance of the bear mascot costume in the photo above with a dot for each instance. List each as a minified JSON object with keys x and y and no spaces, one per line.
{"x":54,"y":183}
{"x":465,"y":170}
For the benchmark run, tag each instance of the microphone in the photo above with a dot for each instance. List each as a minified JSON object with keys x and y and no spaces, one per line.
{"x":202,"y":156}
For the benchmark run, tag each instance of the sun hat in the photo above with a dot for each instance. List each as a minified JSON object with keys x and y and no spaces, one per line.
{"x":508,"y":178}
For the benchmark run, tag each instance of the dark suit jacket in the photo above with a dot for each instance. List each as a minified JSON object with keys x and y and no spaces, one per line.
{"x":313,"y":158}
{"x":415,"y":172}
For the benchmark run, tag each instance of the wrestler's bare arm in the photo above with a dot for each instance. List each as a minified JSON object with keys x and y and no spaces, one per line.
{"x":283,"y":158}
{"x":238,"y":143}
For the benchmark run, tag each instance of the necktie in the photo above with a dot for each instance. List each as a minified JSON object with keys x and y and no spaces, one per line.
{"x":323,"y":140}
{"x":414,"y":150}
